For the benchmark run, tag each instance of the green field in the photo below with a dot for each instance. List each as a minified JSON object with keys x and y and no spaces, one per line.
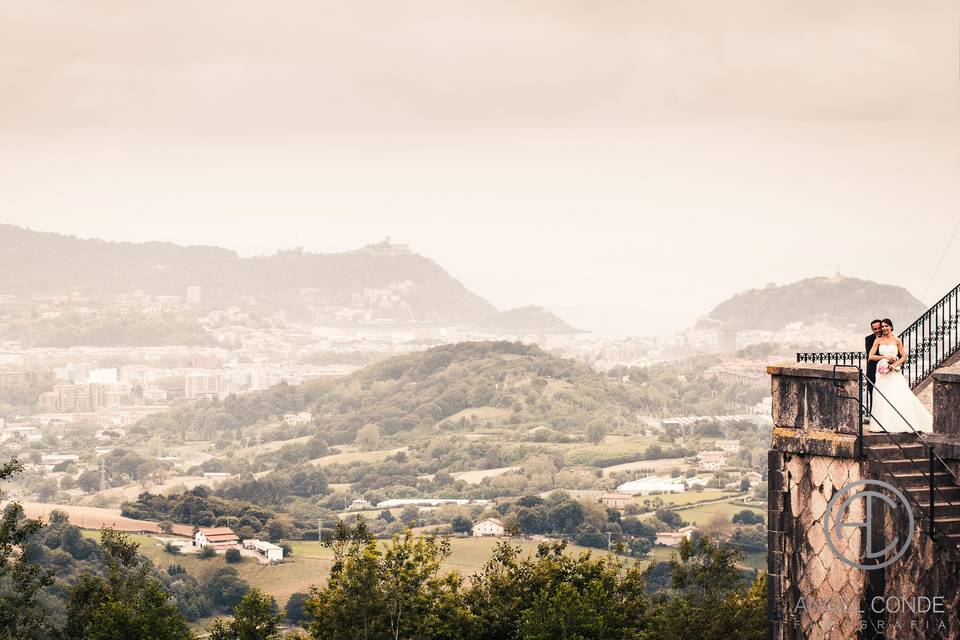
{"x":704,"y":514}
{"x":689,"y":497}
{"x":310,"y":562}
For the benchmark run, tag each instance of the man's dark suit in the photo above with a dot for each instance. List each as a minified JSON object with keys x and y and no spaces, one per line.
{"x":871,"y":369}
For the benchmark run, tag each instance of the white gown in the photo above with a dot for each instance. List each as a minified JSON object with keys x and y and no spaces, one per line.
{"x":896,"y":393}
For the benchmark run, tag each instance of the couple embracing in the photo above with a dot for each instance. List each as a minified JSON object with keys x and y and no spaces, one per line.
{"x":892,"y":405}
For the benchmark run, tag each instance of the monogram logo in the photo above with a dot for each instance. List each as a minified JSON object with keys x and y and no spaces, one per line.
{"x":833,"y":523}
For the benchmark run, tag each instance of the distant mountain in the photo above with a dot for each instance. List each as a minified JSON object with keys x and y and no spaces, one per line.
{"x":844,"y":303}
{"x":529,"y":320}
{"x":383,"y":281}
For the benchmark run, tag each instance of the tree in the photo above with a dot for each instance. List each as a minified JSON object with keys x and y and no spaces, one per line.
{"x":223,"y":587}
{"x":556,"y":595}
{"x":130,"y":602}
{"x":368,"y":437}
{"x":233,"y":556}
{"x":21,"y":616}
{"x":295,"y":609}
{"x":166,"y":526}
{"x":746,"y":516}
{"x":709,"y":598}
{"x":207,"y":552}
{"x":670,"y":518}
{"x":254,"y":618}
{"x":395,"y":592}
{"x":461,"y":524}
{"x":596,"y":431}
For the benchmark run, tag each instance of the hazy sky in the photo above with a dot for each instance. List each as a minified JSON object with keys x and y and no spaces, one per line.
{"x":626,"y":164}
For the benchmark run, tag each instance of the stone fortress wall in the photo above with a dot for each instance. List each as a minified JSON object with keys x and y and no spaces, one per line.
{"x":817,"y":591}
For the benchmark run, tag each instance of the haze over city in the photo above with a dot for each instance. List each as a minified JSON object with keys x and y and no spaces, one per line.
{"x":601,"y":163}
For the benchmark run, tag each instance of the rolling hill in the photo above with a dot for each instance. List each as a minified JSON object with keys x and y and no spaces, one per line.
{"x":388,"y":281}
{"x":844,"y":303}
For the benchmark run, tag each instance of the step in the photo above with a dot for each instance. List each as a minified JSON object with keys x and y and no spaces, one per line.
{"x":870,"y":437}
{"x":922,"y":479}
{"x":942,"y":509}
{"x":945,"y":525}
{"x":951,"y":493}
{"x":892,"y":451}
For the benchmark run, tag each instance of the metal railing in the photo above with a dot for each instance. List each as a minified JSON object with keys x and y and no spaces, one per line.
{"x":928,"y":342}
{"x":929,"y":458}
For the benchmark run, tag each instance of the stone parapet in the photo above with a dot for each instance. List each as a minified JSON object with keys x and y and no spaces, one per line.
{"x":946,"y":400}
{"x":809,"y":397}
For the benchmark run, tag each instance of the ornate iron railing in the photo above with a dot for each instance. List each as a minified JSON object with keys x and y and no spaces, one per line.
{"x":929,"y":464}
{"x":930,"y":341}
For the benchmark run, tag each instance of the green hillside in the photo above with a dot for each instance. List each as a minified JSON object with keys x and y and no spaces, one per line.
{"x":845,"y":303}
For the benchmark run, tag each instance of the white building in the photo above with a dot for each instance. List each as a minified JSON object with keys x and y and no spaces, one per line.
{"x":712,"y":460}
{"x":488,"y":527}
{"x":270,"y":551}
{"x":653,"y":484}
{"x":217,"y":536}
{"x":616,"y":500}
{"x":673,"y":538}
{"x":728,"y":446}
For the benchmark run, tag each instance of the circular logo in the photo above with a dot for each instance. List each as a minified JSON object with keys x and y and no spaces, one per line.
{"x":869,"y":498}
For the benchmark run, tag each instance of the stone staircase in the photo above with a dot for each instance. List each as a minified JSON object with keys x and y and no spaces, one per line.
{"x":903,"y":460}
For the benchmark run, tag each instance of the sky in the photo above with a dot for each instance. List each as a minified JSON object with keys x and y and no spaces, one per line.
{"x":627,"y":164}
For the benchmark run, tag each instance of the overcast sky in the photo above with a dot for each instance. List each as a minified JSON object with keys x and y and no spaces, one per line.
{"x":628,"y":164}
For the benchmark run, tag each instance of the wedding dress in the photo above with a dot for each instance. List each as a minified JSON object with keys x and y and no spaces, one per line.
{"x":892,"y":398}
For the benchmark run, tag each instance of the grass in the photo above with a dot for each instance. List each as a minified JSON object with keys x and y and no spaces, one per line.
{"x":703,"y":514}
{"x":688,"y":498}
{"x":356,"y":456}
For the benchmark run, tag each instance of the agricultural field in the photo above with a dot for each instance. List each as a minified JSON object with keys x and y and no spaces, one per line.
{"x":689,"y":497}
{"x":350,"y":457}
{"x":703,"y":514}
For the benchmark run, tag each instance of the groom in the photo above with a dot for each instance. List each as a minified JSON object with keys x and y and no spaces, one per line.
{"x":871,"y":365}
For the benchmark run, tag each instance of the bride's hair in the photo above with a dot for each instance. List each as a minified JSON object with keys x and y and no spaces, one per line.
{"x":888,"y":321}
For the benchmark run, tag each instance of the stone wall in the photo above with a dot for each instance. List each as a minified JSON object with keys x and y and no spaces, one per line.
{"x":813,"y":593}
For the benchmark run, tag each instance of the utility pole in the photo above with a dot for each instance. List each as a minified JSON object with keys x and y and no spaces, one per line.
{"x":609,"y":547}
{"x":103,"y":476}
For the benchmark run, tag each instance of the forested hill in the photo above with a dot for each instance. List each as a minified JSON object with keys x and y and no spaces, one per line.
{"x":33,"y":263}
{"x":844,"y":303}
{"x":464,"y":386}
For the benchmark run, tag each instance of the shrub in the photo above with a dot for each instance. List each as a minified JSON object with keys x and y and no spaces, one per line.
{"x":233,"y":555}
{"x":207,"y":552}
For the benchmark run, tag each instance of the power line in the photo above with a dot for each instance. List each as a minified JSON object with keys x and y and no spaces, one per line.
{"x":942,"y":256}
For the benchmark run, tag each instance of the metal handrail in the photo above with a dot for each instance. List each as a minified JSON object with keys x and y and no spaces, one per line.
{"x":926,"y":344}
{"x":931,"y":456}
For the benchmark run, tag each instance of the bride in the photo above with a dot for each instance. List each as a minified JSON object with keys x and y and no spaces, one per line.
{"x":892,"y":396}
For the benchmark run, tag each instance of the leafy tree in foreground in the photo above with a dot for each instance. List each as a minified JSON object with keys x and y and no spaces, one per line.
{"x":255,"y":618}
{"x":21,"y":617}
{"x":129,"y":603}
{"x":396,"y":592}
{"x":708,"y":598}
{"x":554,"y":595}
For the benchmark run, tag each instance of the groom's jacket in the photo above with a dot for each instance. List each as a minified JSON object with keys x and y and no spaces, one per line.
{"x":871,"y":365}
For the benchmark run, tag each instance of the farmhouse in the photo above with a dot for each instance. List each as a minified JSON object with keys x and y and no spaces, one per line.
{"x":729,"y":446}
{"x":488,"y":527}
{"x":673,"y":538}
{"x":712,"y":460}
{"x":220,"y":537}
{"x":616,"y":500}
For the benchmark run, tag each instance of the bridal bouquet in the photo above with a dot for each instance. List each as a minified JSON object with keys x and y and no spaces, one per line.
{"x":883,"y":367}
